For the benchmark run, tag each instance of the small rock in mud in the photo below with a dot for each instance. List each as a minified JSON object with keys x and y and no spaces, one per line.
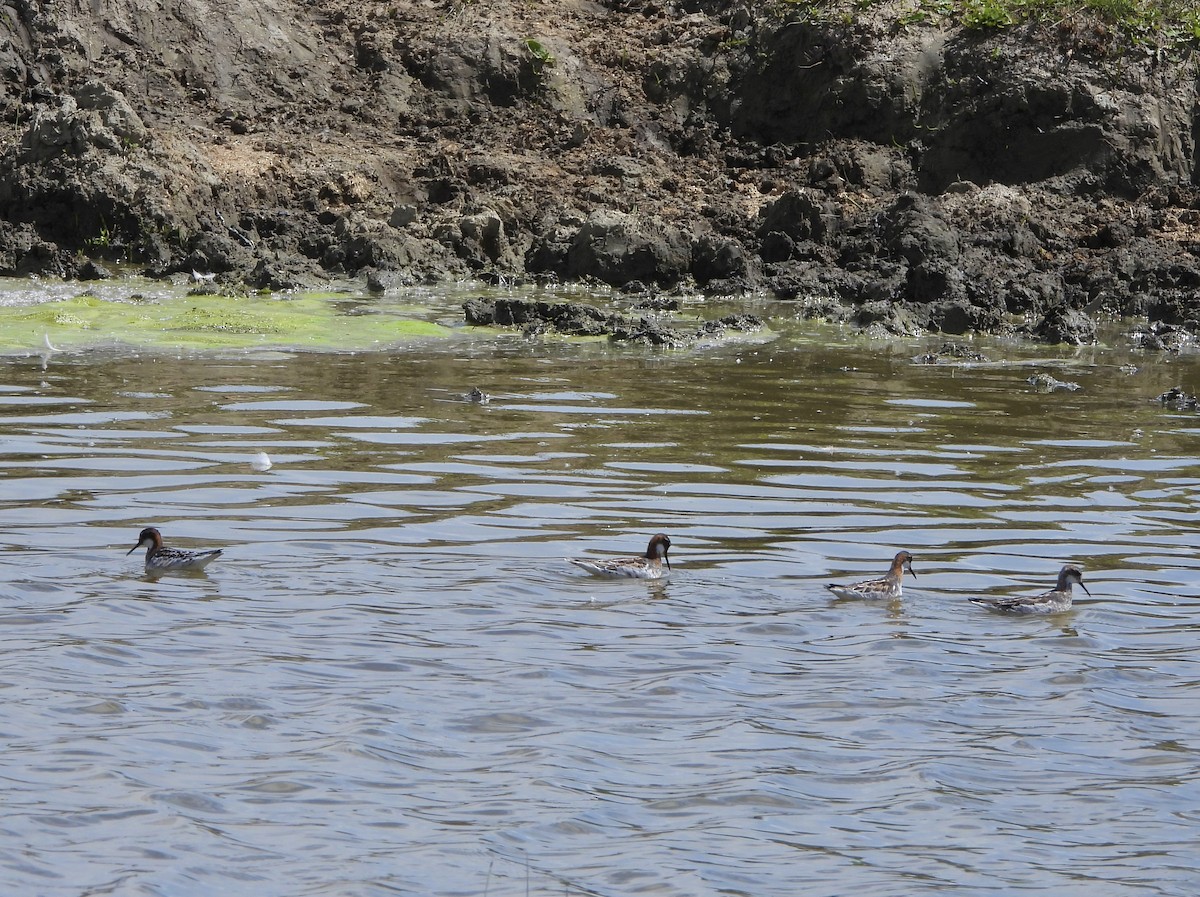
{"x":1176,"y":398}
{"x":480,"y":312}
{"x":1162,"y":337}
{"x":1063,"y":324}
{"x":882,"y":319}
{"x":1047,"y":383}
{"x":93,"y":270}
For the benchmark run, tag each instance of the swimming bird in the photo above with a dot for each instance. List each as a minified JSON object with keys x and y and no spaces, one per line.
{"x":887,"y":588}
{"x":1057,"y":600}
{"x":646,"y":566}
{"x":170,"y":560}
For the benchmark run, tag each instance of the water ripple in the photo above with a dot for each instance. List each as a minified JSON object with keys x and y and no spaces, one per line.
{"x":391,"y":682}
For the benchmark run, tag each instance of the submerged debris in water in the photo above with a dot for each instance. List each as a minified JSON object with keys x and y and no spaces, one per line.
{"x":577,"y":319}
{"x":742,"y":323}
{"x":1176,"y":398}
{"x":1047,"y":383}
{"x":657,"y":303}
{"x":649,"y":331}
{"x":950,"y":350}
{"x":570,"y":318}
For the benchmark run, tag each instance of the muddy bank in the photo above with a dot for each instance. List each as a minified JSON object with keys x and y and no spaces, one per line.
{"x":903,"y":178}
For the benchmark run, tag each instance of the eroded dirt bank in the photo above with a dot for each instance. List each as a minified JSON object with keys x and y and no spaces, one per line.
{"x":903,"y":177}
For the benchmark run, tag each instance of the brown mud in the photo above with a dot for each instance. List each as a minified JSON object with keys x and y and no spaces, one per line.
{"x":902,"y":177}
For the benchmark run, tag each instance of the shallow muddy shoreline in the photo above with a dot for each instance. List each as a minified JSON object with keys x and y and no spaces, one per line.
{"x":46,"y":317}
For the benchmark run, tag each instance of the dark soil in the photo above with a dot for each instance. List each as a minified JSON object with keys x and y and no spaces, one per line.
{"x":903,"y":177}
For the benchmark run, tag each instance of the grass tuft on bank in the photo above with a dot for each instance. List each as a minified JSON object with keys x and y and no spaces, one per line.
{"x":1119,"y":24}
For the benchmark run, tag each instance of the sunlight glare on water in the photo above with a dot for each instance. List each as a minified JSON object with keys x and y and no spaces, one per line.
{"x":391,"y":682}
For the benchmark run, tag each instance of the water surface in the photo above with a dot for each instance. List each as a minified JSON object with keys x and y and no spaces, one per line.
{"x":392,"y":684}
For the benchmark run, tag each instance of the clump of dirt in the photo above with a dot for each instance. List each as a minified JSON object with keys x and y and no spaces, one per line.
{"x":922,"y":176}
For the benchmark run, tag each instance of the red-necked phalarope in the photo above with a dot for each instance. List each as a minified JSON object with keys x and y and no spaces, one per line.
{"x":887,"y":588}
{"x":167,"y":560}
{"x":646,"y":566}
{"x":1057,"y":600}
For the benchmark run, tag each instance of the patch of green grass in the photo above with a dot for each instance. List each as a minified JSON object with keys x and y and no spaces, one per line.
{"x":205,"y":322}
{"x":815,"y":11}
{"x":1147,"y":23}
{"x":103,"y":238}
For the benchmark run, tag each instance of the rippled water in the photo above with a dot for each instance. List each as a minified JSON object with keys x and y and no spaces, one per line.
{"x":392,"y":684}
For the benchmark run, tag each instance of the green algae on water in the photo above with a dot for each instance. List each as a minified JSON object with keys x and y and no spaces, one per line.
{"x":206,"y":322}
